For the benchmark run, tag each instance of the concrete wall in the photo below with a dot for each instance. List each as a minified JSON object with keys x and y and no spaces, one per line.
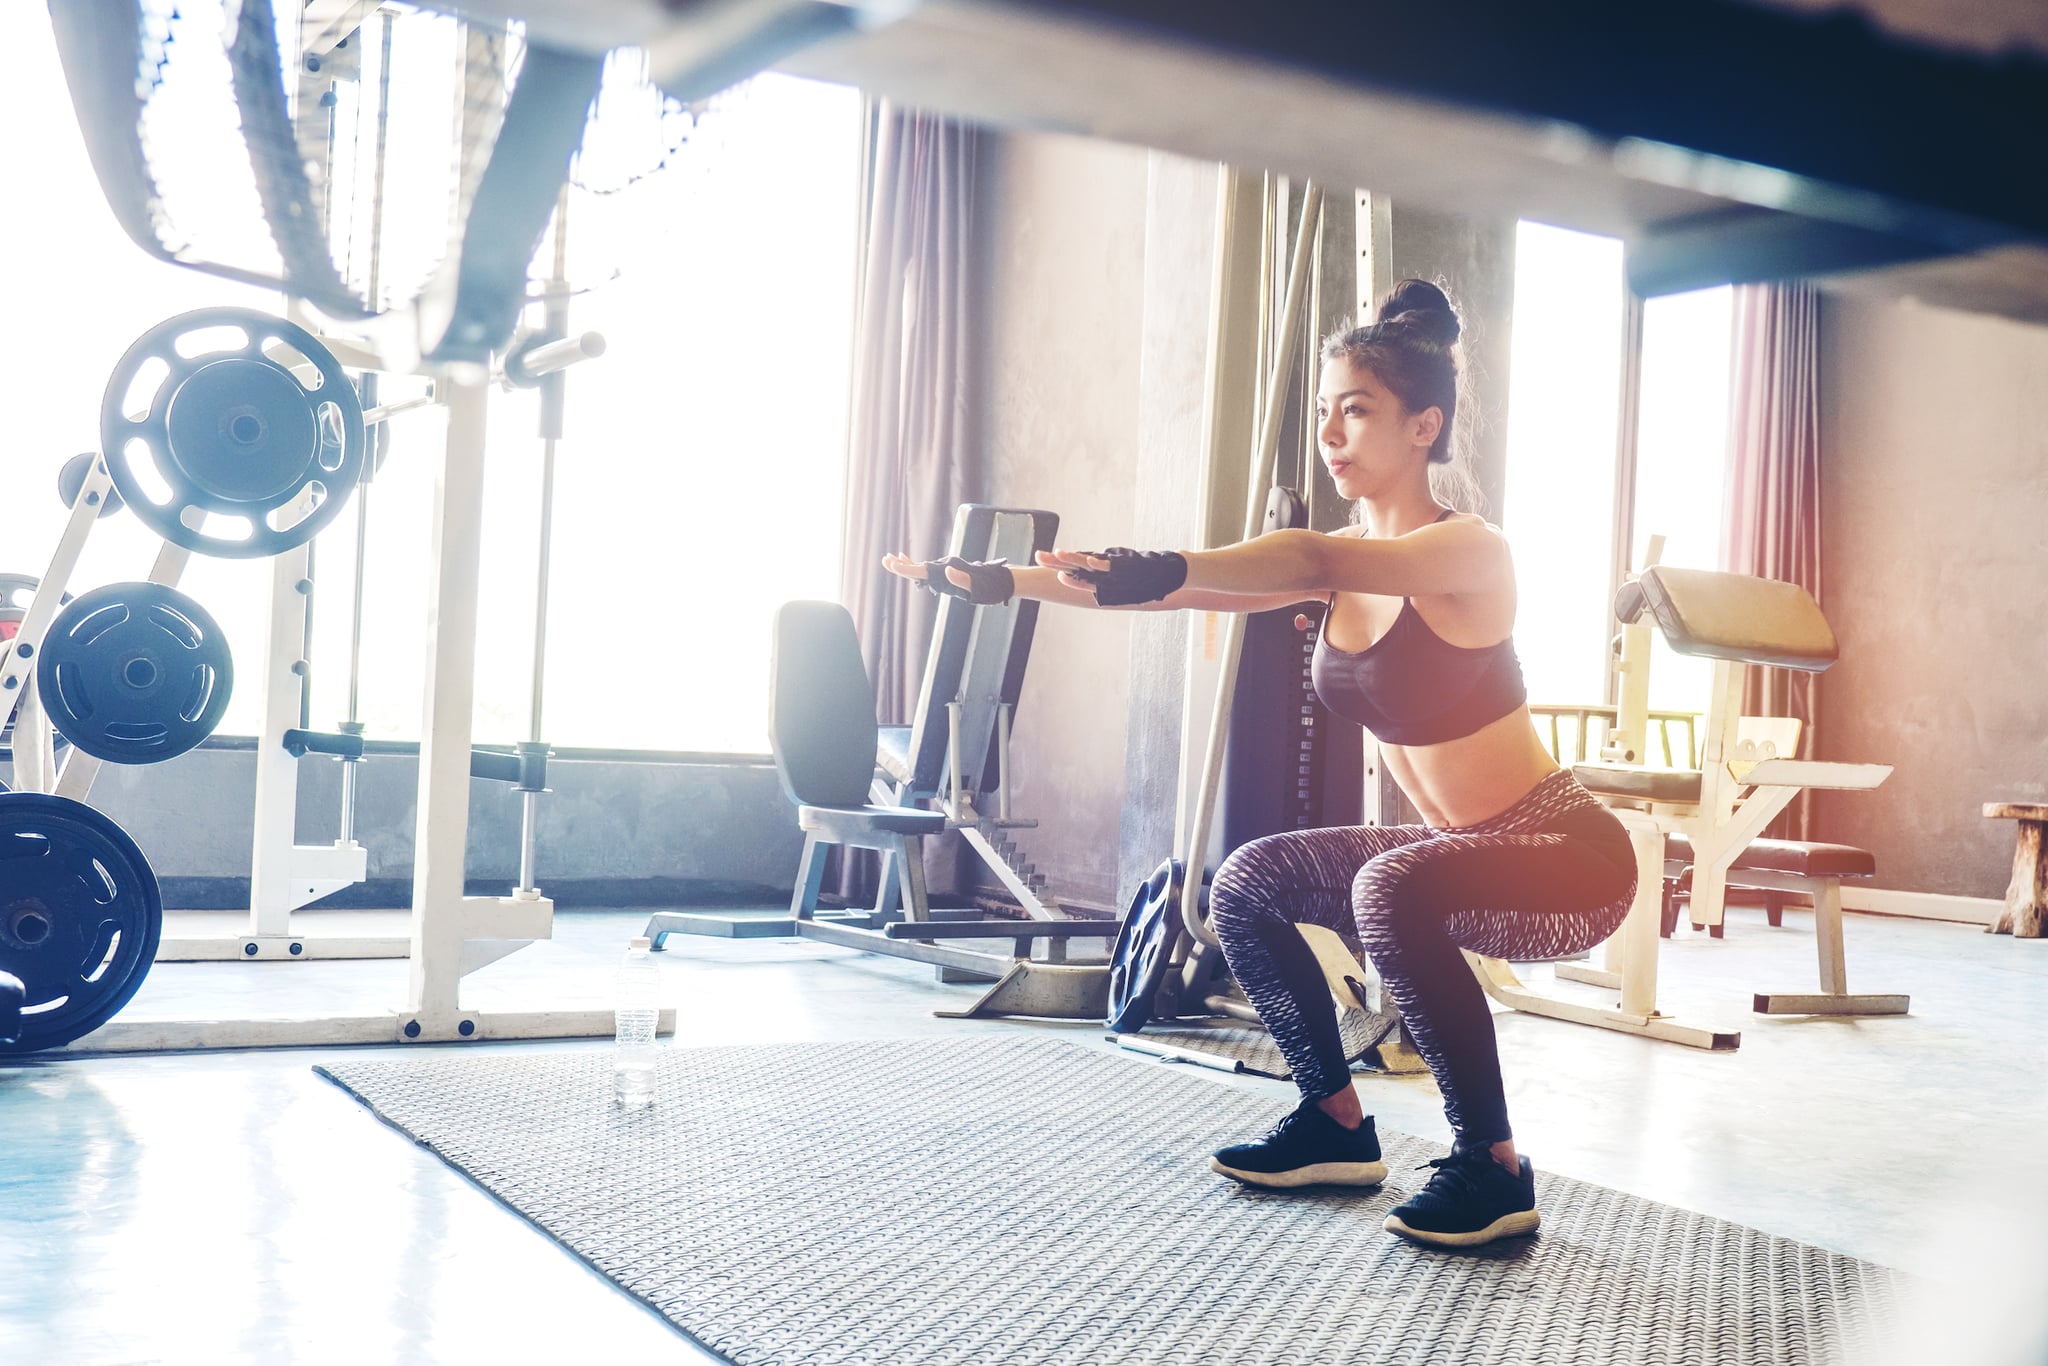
{"x":1475,"y":258}
{"x":1934,"y":538}
{"x":611,"y":833}
{"x":1061,"y":252}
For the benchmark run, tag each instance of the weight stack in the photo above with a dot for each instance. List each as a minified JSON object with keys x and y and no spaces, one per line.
{"x":1289,"y":764}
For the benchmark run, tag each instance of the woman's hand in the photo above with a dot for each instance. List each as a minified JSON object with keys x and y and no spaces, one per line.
{"x":1118,"y":577}
{"x":984,"y":583}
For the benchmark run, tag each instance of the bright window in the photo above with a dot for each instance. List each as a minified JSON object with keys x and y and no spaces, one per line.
{"x":1681,"y":461}
{"x":1564,"y":391}
{"x":1564,"y":398}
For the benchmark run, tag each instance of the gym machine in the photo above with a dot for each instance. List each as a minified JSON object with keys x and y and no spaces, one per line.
{"x":1166,"y":963}
{"x":215,"y":421}
{"x":1720,"y":807}
{"x":948,"y":770}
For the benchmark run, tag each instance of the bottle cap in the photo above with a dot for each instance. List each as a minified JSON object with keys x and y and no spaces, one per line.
{"x":647,"y":944}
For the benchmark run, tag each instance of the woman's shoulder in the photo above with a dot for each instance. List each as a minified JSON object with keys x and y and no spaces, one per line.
{"x":1477,"y":519}
{"x":1358,"y":531}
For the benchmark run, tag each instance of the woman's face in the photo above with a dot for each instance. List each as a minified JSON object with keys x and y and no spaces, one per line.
{"x":1369,"y":440}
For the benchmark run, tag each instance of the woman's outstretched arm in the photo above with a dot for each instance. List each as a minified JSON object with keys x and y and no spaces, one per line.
{"x":1046,"y":585}
{"x":1444,"y":558}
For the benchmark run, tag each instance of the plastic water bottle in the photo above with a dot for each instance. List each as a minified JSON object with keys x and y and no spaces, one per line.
{"x":639,"y":1007}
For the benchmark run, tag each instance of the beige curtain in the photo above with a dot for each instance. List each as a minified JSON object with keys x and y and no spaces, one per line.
{"x":908,"y":462}
{"x":1771,"y":511}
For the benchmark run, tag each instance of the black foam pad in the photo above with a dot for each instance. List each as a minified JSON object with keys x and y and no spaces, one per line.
{"x":1629,"y":603}
{"x":821,"y":707}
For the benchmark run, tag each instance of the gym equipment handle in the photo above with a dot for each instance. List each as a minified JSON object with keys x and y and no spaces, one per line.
{"x":526,"y":770}
{"x":300,"y":743}
{"x":530,"y":364}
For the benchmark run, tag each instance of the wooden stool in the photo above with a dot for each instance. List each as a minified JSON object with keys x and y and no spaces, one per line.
{"x":2026,"y":897}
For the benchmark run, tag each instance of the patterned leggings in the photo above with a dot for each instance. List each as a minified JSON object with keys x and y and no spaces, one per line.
{"x":1551,"y":876}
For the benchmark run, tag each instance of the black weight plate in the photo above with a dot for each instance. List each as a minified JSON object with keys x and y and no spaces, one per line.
{"x":233,"y":433}
{"x":80,"y":916}
{"x":134,"y":673}
{"x":71,"y":479}
{"x":1143,"y":954}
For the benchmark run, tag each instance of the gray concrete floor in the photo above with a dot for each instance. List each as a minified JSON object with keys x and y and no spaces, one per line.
{"x":232,"y":1207}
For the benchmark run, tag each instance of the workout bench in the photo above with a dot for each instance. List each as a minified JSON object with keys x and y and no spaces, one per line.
{"x":861,"y":786}
{"x":1719,"y":808}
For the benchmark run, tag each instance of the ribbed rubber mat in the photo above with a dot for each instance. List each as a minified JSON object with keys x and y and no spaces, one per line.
{"x":1029,"y":1202}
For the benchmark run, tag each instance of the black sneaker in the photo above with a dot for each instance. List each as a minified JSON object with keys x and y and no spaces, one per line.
{"x":1307,"y":1148}
{"x":1472,"y":1199}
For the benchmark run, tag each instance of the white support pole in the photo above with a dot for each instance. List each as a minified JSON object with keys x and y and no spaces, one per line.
{"x":18,"y":659}
{"x":35,"y":756}
{"x":283,"y":874}
{"x":272,"y":891}
{"x":1628,"y":741}
{"x":1638,"y":933}
{"x":442,"y":833}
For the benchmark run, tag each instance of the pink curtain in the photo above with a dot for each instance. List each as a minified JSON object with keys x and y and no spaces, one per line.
{"x":1771,"y":509}
{"x":908,"y":463}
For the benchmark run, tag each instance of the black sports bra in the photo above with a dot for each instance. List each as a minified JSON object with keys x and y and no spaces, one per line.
{"x":1412,"y":687}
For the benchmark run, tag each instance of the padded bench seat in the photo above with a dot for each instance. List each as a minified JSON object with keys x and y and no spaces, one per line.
{"x":855,"y":825}
{"x":1680,"y":786}
{"x":1797,"y":857}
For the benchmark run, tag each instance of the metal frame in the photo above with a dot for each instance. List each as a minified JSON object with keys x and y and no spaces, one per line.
{"x":283,"y":874}
{"x":451,"y":934}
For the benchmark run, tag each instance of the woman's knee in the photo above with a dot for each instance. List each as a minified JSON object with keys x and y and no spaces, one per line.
{"x":1241,"y":894}
{"x":1380,"y":895}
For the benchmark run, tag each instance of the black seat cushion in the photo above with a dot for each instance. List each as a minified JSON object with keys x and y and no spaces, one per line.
{"x":1678,"y":785}
{"x":846,"y":824}
{"x":1801,"y":858}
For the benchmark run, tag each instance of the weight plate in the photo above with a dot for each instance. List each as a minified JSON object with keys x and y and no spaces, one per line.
{"x":71,"y":479}
{"x":134,"y":673}
{"x":80,"y":916}
{"x":232,"y":433}
{"x":1143,"y":955}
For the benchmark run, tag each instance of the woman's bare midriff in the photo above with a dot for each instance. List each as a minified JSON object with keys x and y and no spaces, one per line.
{"x":1475,"y":777}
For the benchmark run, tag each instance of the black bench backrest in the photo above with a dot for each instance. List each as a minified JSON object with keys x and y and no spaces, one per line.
{"x":821,"y":707}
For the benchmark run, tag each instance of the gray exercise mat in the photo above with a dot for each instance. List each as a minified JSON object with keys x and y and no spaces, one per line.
{"x":1010,"y":1199}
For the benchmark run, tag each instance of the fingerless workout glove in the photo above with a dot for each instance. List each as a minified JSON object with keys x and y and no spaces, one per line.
{"x":992,"y":586}
{"x":1134,"y":576}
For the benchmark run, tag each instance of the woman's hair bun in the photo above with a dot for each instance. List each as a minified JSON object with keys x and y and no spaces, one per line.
{"x":1422,"y":308}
